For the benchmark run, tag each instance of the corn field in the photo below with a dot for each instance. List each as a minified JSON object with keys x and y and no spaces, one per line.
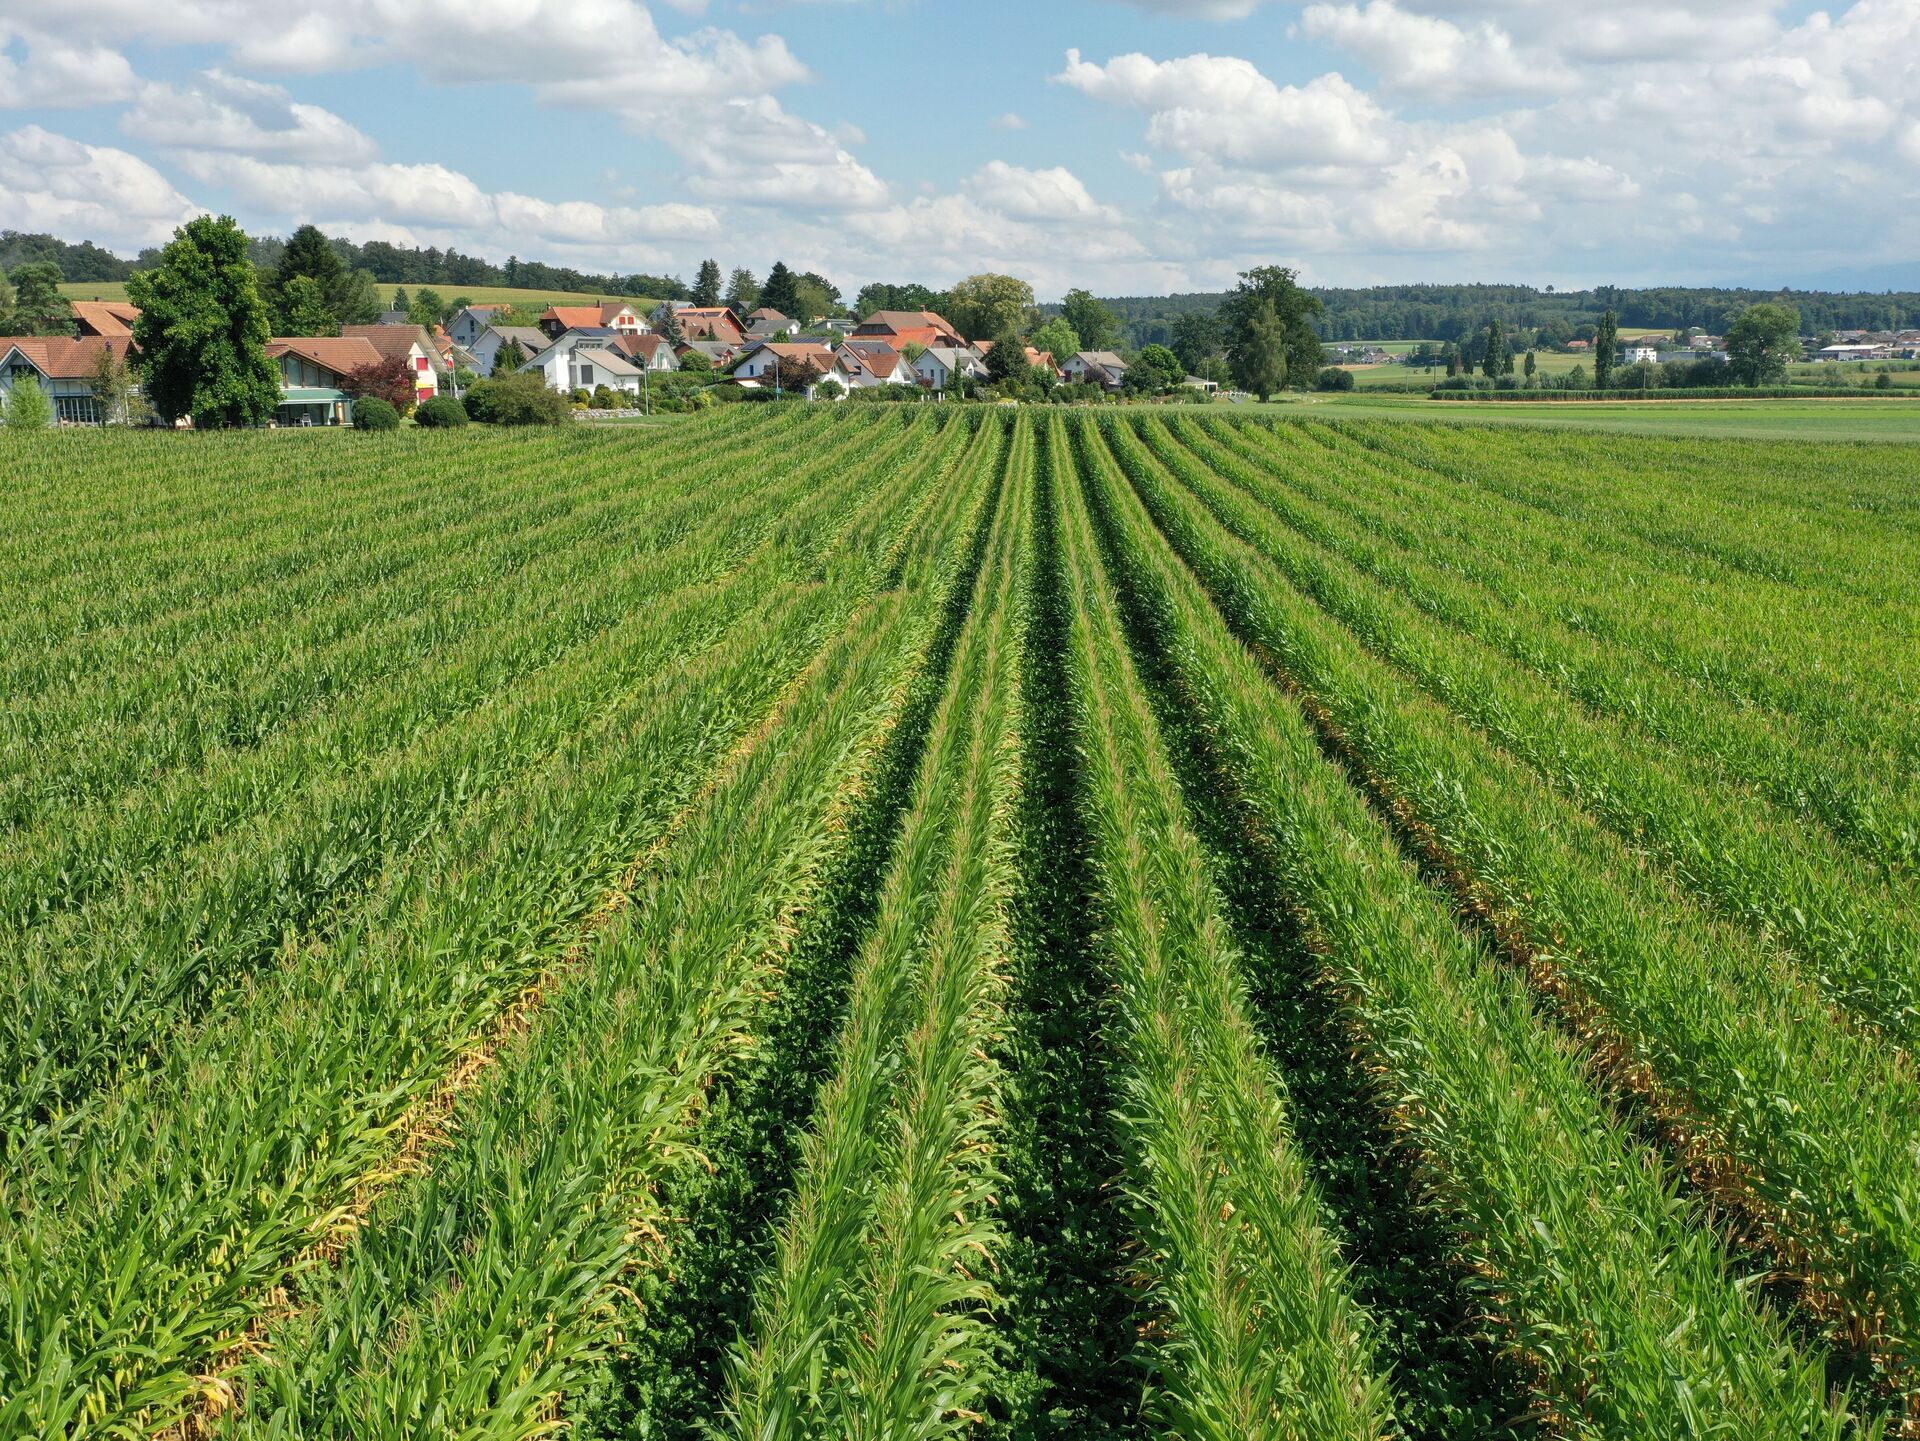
{"x":945,"y":922}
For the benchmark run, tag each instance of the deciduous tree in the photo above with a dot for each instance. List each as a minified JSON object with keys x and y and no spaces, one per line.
{"x":1762,"y":341}
{"x":1058,"y":339}
{"x":1269,"y":295}
{"x":1196,"y":339}
{"x":303,"y":310}
{"x":28,"y":407}
{"x":390,"y":378}
{"x":1091,"y":320}
{"x":990,"y":304}
{"x":202,"y":331}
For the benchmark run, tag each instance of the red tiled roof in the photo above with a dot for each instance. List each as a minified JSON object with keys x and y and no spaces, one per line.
{"x":392,"y":341}
{"x":61,"y":357}
{"x":340,"y":354}
{"x":908,"y":327}
{"x":714,"y":322}
{"x":585,"y":317}
{"x":640,"y":346}
{"x":105,"y":317}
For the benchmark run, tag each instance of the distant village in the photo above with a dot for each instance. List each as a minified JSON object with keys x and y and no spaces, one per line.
{"x":602,"y":356}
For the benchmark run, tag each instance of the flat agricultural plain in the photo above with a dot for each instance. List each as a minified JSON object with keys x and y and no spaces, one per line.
{"x":942,"y":921}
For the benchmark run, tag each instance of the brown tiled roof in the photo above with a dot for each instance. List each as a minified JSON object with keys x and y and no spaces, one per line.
{"x":923,"y":327}
{"x":585,"y":317}
{"x":639,"y":345}
{"x":105,"y":317}
{"x":816,"y":355}
{"x":714,"y":322}
{"x":340,"y":354}
{"x":392,"y":341}
{"x":61,"y":357}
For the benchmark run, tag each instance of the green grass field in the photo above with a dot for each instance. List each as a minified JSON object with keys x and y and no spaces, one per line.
{"x":955,"y":921}
{"x":1866,"y":419}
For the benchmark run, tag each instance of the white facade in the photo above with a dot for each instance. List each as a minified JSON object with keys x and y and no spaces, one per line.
{"x":575,"y":362}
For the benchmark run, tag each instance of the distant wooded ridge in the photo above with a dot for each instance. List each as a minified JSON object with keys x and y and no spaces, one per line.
{"x":1456,"y":312}
{"x":1379,"y":312}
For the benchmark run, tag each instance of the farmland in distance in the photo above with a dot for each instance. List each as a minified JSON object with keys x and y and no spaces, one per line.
{"x":812,"y":922}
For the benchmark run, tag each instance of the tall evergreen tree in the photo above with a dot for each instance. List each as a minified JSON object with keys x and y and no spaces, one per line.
{"x":743,"y":293}
{"x":202,"y":331}
{"x":706,"y":285}
{"x":1605,"y":341}
{"x":310,"y":254}
{"x":38,"y":306}
{"x":780,"y":292}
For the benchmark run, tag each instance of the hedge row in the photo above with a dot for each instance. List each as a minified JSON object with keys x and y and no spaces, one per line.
{"x":1741,"y":392}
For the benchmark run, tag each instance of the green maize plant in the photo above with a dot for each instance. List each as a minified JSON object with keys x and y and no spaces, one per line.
{"x":491,"y":1288}
{"x":1420,"y":543}
{"x":1805,"y":1126}
{"x":1259,"y":1335}
{"x":870,"y":1322}
{"x":1840,"y":917}
{"x":1622,"y":1311}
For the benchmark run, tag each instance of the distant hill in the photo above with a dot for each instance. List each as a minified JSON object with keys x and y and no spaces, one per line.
{"x":85,"y":261}
{"x":1453,"y":312}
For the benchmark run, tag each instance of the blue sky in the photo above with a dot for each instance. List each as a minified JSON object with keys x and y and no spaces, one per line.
{"x":1134,"y":146}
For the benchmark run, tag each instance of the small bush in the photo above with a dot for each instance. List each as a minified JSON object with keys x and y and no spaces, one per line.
{"x":29,"y":409}
{"x":517,"y":400}
{"x":370,"y":412}
{"x":441,"y":412}
{"x":1334,"y":378}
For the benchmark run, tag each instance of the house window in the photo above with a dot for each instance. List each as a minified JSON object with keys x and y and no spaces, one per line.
{"x":77,"y":409}
{"x":420,"y":363}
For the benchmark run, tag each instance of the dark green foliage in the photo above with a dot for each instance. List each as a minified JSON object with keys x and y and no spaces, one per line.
{"x":373,"y":413}
{"x":780,"y":293}
{"x":202,"y":332}
{"x":77,"y":262}
{"x":517,"y":400}
{"x":1155,"y":371}
{"x":1091,"y":320}
{"x":442,"y":412}
{"x":1197,"y":339}
{"x":1268,"y":324}
{"x":38,"y":306}
{"x":1762,"y":342}
{"x":1606,"y":341}
{"x":1334,"y":377}
{"x":706,"y":285}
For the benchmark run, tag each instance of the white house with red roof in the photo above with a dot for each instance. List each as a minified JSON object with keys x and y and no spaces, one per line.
{"x":62,"y":367}
{"x":608,"y":315}
{"x":869,"y":365}
{"x":411,"y":343}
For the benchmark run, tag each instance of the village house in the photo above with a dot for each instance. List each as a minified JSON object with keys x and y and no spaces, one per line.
{"x":865,"y":365}
{"x":585,"y":359}
{"x":720,"y":353}
{"x":1096,"y":367}
{"x":761,"y":361}
{"x":609,"y":315}
{"x":766,"y":324}
{"x":313,"y":374}
{"x":648,"y":352}
{"x":410,"y":343}
{"x":937,"y":365}
{"x":469,"y":325}
{"x":486,"y":349}
{"x":111,"y":318}
{"x":63,"y":367}
{"x":713,"y":322}
{"x":901,"y":328}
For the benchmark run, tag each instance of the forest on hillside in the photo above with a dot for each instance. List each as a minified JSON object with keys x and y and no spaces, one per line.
{"x":1455,"y":312}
